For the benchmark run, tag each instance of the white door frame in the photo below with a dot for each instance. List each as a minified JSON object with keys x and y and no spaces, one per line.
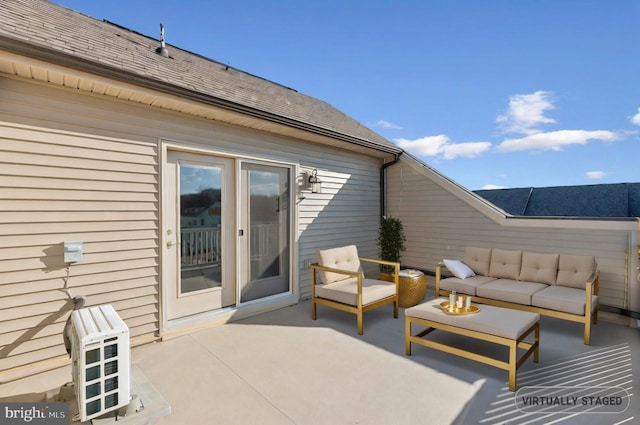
{"x":170,"y":328}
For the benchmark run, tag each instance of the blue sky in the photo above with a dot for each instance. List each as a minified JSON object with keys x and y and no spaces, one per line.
{"x":491,"y":93}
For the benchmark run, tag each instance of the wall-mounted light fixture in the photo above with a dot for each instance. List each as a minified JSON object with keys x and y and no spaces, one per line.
{"x":315,"y":184}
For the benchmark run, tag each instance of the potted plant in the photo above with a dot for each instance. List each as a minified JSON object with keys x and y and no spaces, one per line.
{"x":391,"y":239}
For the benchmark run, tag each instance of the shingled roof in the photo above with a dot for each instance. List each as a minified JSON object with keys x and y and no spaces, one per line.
{"x":601,"y":200}
{"x":43,"y":30}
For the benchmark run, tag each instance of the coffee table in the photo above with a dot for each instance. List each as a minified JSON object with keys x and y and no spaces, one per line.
{"x":493,"y":324}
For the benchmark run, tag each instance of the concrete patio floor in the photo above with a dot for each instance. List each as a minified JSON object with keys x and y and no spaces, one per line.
{"x":283,"y":368}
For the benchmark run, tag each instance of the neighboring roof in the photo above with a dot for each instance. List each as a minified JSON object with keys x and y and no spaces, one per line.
{"x":57,"y":35}
{"x":602,"y":200}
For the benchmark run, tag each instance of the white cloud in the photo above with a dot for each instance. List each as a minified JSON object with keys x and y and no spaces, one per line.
{"x":441,"y":145}
{"x":492,"y":187}
{"x":555,"y":140}
{"x":468,"y":150}
{"x":526,"y":112}
{"x":425,"y":146}
{"x":596,"y":175}
{"x":387,"y":124}
{"x":636,"y":118}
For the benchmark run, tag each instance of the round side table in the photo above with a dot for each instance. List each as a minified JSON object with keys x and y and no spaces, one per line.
{"x":412,"y":287}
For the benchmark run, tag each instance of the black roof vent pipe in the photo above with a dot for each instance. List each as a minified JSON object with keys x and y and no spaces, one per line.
{"x":162,"y":50}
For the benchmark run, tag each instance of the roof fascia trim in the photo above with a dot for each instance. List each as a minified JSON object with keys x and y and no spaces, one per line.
{"x":65,"y":60}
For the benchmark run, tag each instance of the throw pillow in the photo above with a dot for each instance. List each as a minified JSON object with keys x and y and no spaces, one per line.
{"x":459,"y":269}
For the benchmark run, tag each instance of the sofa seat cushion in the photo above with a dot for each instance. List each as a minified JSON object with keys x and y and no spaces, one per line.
{"x":346,"y":291}
{"x":575,"y":270}
{"x":510,"y":290}
{"x":561,"y":298}
{"x":539,"y":267}
{"x":464,"y":286}
{"x":478,"y":259}
{"x":505,"y":264}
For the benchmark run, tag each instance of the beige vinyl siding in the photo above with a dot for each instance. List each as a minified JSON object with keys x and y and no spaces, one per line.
{"x":93,"y":177}
{"x":62,"y":187}
{"x":345,"y":213}
{"x":441,"y":219}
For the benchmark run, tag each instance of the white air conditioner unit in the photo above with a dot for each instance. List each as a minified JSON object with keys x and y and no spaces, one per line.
{"x":100,"y":360}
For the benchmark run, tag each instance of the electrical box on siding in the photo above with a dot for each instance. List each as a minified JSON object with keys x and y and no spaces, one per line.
{"x":72,"y":252}
{"x":100,"y":360}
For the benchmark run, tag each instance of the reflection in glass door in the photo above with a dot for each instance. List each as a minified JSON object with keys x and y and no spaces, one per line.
{"x":200,"y":221}
{"x":265,"y":232}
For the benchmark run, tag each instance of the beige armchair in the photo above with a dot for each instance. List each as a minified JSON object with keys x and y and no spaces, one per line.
{"x":337,"y":281}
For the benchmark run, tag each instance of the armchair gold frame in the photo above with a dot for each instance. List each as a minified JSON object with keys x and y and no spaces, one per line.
{"x":359,"y":308}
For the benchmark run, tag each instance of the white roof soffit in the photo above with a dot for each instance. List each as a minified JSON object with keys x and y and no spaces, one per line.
{"x":40,"y":64}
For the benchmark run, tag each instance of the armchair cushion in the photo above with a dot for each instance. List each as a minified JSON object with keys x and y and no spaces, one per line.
{"x":343,"y":258}
{"x":346,"y":291}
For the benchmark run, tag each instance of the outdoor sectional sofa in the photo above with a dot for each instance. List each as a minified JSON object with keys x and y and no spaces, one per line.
{"x":557,"y":285}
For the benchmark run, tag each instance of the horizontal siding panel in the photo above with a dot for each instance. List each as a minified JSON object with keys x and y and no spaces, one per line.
{"x":86,"y":290}
{"x":77,"y":216}
{"x":37,"y":321}
{"x":10,"y":339}
{"x":35,"y":344}
{"x":147,"y":152}
{"x":38,"y":182}
{"x":30,"y":194}
{"x":63,"y":227}
{"x":61,"y":172}
{"x":47,"y":206}
{"x":11,"y":362}
{"x":86,"y":275}
{"x":40,"y":239}
{"x":55,"y":309}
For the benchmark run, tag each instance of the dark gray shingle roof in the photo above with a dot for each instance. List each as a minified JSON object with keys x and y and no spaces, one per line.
{"x":67,"y":36}
{"x":602,"y":200}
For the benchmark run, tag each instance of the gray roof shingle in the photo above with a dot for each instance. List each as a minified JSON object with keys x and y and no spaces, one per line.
{"x":69,"y":35}
{"x":601,"y":200}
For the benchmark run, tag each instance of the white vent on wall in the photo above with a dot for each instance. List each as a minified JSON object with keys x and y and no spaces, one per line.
{"x":100,"y":359}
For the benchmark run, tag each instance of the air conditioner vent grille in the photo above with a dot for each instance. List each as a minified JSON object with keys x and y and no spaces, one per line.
{"x":100,"y":356}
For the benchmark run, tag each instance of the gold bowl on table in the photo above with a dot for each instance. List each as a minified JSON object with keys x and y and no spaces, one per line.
{"x":456,"y":311}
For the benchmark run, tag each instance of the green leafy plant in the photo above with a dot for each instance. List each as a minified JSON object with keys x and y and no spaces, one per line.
{"x":391,"y":239}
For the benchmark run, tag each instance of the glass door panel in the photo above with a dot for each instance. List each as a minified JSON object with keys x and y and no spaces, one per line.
{"x":266,"y":231}
{"x":199,"y":265}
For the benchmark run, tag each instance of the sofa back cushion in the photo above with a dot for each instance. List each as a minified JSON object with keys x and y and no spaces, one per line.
{"x":574,"y":270}
{"x":478,"y":260}
{"x":505,"y":264}
{"x":540,"y":268}
{"x":343,"y":258}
